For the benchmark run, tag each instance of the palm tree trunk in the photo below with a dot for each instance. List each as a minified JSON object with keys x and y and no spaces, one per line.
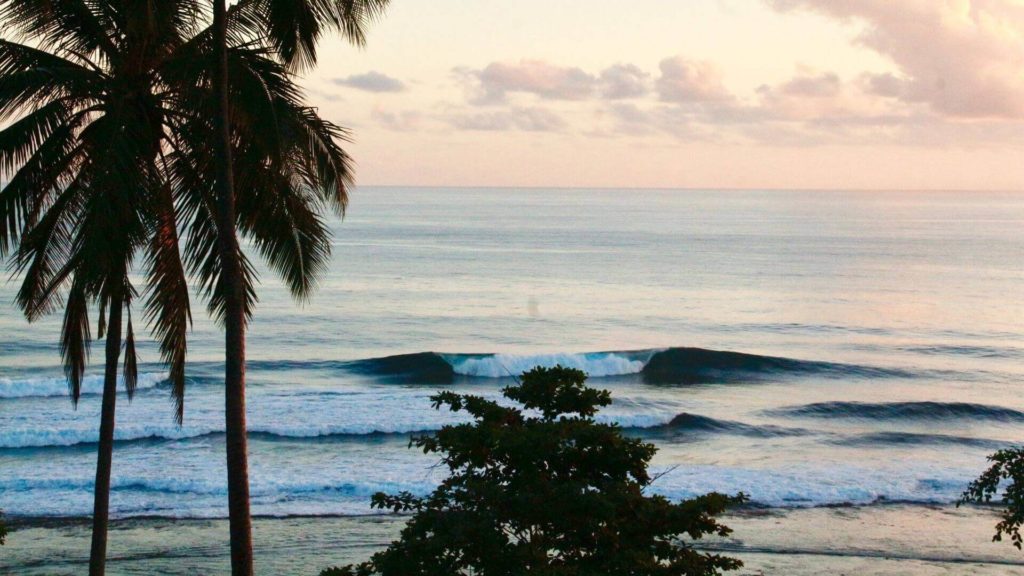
{"x":234,"y":313}
{"x":101,"y":498}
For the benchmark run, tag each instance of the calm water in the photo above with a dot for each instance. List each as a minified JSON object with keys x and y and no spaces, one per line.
{"x":880,"y":341}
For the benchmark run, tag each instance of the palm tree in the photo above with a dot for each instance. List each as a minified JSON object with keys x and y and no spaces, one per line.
{"x":291,"y":28}
{"x":89,"y":79}
{"x":85,"y":193}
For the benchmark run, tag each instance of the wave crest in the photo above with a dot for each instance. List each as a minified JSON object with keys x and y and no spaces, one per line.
{"x":46,"y":387}
{"x":597,"y":365}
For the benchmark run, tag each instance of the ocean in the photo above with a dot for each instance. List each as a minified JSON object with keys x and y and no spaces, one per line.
{"x":808,"y":348}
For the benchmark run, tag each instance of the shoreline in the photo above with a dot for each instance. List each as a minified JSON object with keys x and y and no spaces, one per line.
{"x":889,"y":540}
{"x":748,"y":509}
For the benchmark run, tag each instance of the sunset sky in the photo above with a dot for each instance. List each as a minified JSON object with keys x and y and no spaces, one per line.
{"x":873,"y":94}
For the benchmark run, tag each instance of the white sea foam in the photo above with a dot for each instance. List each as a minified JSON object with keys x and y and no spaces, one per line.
{"x":306,"y":488}
{"x":42,"y":437}
{"x":48,"y":386}
{"x":504,"y":365}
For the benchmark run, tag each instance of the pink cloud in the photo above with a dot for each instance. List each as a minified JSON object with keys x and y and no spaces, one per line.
{"x":685,"y":80}
{"x":535,"y":77}
{"x":964,"y":58}
{"x":522,"y":119}
{"x":624,"y":81}
{"x":823,"y":85}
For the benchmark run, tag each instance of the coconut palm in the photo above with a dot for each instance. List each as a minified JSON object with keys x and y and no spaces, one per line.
{"x":287,"y":169}
{"x":85,"y":194}
{"x":109,"y":158}
{"x":291,"y":29}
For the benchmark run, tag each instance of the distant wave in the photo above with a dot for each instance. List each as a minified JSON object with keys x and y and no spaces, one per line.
{"x":964,"y":350}
{"x":48,"y":387}
{"x":422,"y":367}
{"x":702,"y":424}
{"x":915,"y":439}
{"x":34,"y":438}
{"x":902,"y":411}
{"x":199,"y":487}
{"x":43,"y":438}
{"x":655,"y":366}
{"x":645,"y":425}
{"x":660,"y":366}
{"x":697,"y":365}
{"x":648,"y":425}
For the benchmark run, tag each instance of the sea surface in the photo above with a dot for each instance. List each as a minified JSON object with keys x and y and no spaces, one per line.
{"x":809,"y":349}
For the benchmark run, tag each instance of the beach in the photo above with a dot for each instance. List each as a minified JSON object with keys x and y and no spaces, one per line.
{"x":886,"y":540}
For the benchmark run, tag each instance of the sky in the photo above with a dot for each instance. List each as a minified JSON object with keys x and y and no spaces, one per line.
{"x":820,"y":94}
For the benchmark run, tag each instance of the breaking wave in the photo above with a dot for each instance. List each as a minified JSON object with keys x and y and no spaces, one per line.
{"x":48,"y":387}
{"x":660,"y":366}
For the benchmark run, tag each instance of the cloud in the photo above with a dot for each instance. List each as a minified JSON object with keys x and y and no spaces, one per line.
{"x":548,"y":81}
{"x":963,"y":58}
{"x":405,"y":121}
{"x":623,"y":81}
{"x":533,"y":77}
{"x":809,"y":108}
{"x":688,"y":101}
{"x":371,"y":81}
{"x":886,"y":85}
{"x":811,"y":85}
{"x":690,"y":81}
{"x":523,"y":119}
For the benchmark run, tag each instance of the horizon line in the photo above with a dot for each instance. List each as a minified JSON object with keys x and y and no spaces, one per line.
{"x":692,"y":188}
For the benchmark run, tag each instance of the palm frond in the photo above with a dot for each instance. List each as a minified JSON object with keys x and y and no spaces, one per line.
{"x":292,"y":28}
{"x":62,"y":24}
{"x":168,"y":310}
{"x":50,"y":168}
{"x":131,"y":361}
{"x":43,"y":258}
{"x":30,"y":77}
{"x":20,"y":139}
{"x":74,"y":339}
{"x":282,"y":221}
{"x":355,"y":16}
{"x":101,"y":328}
{"x":322,"y":163}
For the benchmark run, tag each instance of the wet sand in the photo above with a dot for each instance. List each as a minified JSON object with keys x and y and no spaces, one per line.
{"x":881,"y":540}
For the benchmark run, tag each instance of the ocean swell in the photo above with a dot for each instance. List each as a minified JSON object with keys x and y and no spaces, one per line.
{"x":695,"y":423}
{"x":645,"y":423}
{"x":657,"y":366}
{"x":49,"y":387}
{"x":902,"y":411}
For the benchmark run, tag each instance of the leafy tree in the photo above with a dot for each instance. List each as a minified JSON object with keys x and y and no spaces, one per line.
{"x":1006,"y":465}
{"x":544,"y":489}
{"x":3,"y":530}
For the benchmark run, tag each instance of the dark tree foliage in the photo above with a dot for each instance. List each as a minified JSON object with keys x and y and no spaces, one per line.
{"x":1006,"y":465}
{"x":3,"y":529}
{"x":545,"y":491}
